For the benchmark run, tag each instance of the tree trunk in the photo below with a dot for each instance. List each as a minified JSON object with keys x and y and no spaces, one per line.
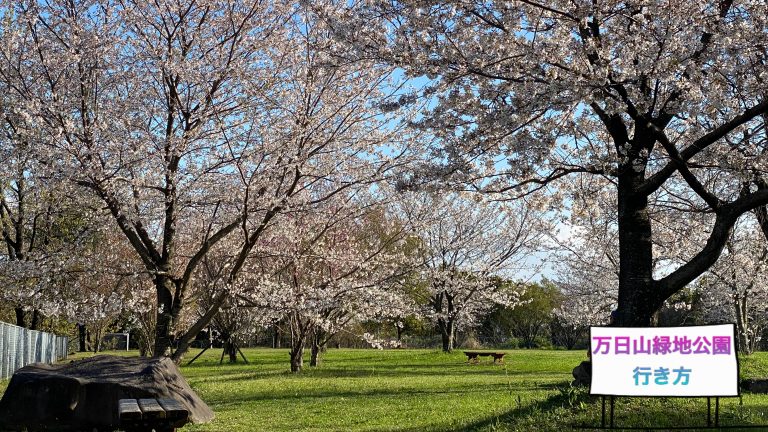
{"x":81,"y":334}
{"x":231,"y":349}
{"x":34,"y":324}
{"x":742,"y":325}
{"x":447,"y":331}
{"x":637,"y":299}
{"x":20,"y":321}
{"x":97,"y":341}
{"x":314,"y":359}
{"x":297,"y":357}
{"x":183,"y":343}
{"x":446,"y":325}
{"x":164,"y":287}
{"x":276,"y":337}
{"x":317,"y":348}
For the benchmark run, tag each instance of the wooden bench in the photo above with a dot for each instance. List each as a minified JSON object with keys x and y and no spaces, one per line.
{"x":146,"y":415}
{"x":473,"y":357}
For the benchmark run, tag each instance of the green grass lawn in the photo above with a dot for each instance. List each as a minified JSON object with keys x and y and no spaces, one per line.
{"x":369,"y":390}
{"x":423,"y":390}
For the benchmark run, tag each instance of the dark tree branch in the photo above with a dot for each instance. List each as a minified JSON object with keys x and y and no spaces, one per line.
{"x":209,"y":242}
{"x":654,"y":182}
{"x":721,"y":231}
{"x":550,"y":9}
{"x":682,"y":167}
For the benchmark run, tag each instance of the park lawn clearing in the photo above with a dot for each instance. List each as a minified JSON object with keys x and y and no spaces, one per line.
{"x":370,"y":390}
{"x":426,"y":390}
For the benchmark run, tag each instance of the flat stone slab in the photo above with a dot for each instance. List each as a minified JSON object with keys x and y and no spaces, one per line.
{"x":84,"y":395}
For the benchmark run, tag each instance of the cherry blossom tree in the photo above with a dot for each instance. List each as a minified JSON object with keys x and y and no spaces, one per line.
{"x":193,"y":122}
{"x":98,"y":284}
{"x":37,"y":216}
{"x":467,"y":245}
{"x":734,"y":289}
{"x":14,"y":205}
{"x":82,"y":273}
{"x":237,"y":319}
{"x":43,"y":223}
{"x":55,"y":238}
{"x":129,"y":111}
{"x":328,"y":269}
{"x":661,"y":100}
{"x":586,"y":249}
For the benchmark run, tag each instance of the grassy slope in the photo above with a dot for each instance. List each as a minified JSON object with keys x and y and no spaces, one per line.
{"x":421,"y":390}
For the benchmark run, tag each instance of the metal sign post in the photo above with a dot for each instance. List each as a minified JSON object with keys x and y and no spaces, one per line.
{"x":602,"y":422}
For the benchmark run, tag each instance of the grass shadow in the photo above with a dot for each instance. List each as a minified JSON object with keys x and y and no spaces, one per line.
{"x":332,"y":369}
{"x":575,"y":409}
{"x":290,"y":394}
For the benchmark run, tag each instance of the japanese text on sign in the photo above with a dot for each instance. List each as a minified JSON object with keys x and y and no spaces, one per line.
{"x":664,"y":361}
{"x":662,"y":345}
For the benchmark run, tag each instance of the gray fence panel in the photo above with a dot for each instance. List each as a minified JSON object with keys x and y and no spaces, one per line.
{"x":20,"y":347}
{"x":25,"y":348}
{"x":29,"y":347}
{"x":9,"y":337}
{"x":3,"y":353}
{"x":13,"y":352}
{"x":38,"y":357}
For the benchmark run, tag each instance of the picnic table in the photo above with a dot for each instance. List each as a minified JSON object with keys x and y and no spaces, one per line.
{"x":473,"y":357}
{"x":146,"y":415}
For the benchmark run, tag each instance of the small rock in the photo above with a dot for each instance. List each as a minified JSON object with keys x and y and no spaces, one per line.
{"x":582,"y":374}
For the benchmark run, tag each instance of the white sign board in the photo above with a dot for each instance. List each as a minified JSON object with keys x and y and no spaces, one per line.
{"x":664,"y":361}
